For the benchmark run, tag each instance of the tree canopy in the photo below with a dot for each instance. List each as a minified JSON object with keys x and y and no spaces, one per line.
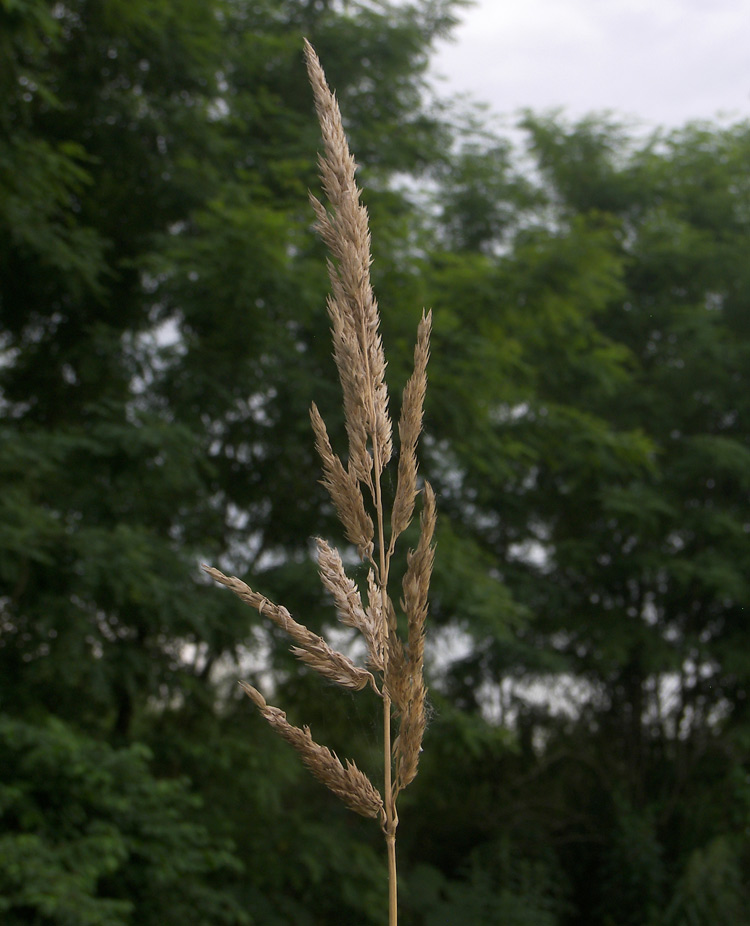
{"x":162,"y":334}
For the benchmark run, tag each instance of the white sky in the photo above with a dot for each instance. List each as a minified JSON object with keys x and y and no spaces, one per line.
{"x":658,"y":62}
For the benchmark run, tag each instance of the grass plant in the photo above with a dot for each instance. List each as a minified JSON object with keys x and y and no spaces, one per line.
{"x":393,"y":667}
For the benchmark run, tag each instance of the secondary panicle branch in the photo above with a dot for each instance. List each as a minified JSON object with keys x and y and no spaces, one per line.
{"x":415,"y":585}
{"x":348,"y":602}
{"x":409,"y":429}
{"x":416,"y":582}
{"x":344,"y":490}
{"x":311,"y":648}
{"x":350,"y":784}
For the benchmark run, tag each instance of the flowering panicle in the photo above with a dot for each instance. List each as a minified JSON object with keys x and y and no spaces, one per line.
{"x":394,"y":666}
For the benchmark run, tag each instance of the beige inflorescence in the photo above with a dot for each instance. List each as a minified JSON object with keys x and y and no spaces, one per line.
{"x":394,"y":666}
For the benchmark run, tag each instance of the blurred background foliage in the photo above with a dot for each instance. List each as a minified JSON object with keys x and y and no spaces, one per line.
{"x":162,"y":334}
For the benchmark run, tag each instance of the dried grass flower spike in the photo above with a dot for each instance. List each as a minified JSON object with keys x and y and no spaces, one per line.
{"x":393,"y":668}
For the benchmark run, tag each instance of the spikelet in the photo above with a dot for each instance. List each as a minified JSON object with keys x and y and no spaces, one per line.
{"x":348,"y":602}
{"x":409,"y":429}
{"x":416,"y":582}
{"x":344,"y":490}
{"x":411,"y":689}
{"x":408,"y":744}
{"x":350,"y":784}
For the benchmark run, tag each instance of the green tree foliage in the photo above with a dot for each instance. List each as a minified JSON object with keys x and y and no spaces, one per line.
{"x":162,"y":334}
{"x":90,"y":837}
{"x":161,"y":330}
{"x":610,"y":499}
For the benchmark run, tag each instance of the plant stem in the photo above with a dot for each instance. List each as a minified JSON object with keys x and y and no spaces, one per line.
{"x":391,"y":821}
{"x":392,"y":885}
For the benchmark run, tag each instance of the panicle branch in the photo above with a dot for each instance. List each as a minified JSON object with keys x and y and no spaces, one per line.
{"x":349,"y":603}
{"x":343,"y":487}
{"x":415,"y":586}
{"x":311,"y":649}
{"x":358,"y":348}
{"x":350,"y":784}
{"x":409,"y":429}
{"x":416,"y":582}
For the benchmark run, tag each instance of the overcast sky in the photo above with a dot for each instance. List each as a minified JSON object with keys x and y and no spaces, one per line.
{"x":661,"y":62}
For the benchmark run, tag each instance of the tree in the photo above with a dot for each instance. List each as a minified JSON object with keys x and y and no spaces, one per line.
{"x":585,"y":428}
{"x":605,"y":484}
{"x":158,"y":321}
{"x":91,"y":837}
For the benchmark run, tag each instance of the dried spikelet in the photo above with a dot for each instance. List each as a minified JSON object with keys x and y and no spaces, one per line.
{"x":351,"y":366}
{"x":344,"y":490}
{"x":311,"y":649}
{"x":416,"y":580}
{"x":409,"y":684}
{"x":397,"y":676}
{"x":376,"y":597}
{"x":348,"y":601}
{"x":353,"y":307}
{"x":334,"y":666}
{"x":350,"y":784}
{"x":409,"y":429}
{"x":408,"y":745}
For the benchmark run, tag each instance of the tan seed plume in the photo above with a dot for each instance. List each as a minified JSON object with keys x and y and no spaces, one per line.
{"x":358,"y":348}
{"x":416,"y":582}
{"x":409,"y":429}
{"x":311,"y":649}
{"x":352,"y":786}
{"x":415,"y":585}
{"x":344,"y":490}
{"x":397,"y":663}
{"x":348,"y":602}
